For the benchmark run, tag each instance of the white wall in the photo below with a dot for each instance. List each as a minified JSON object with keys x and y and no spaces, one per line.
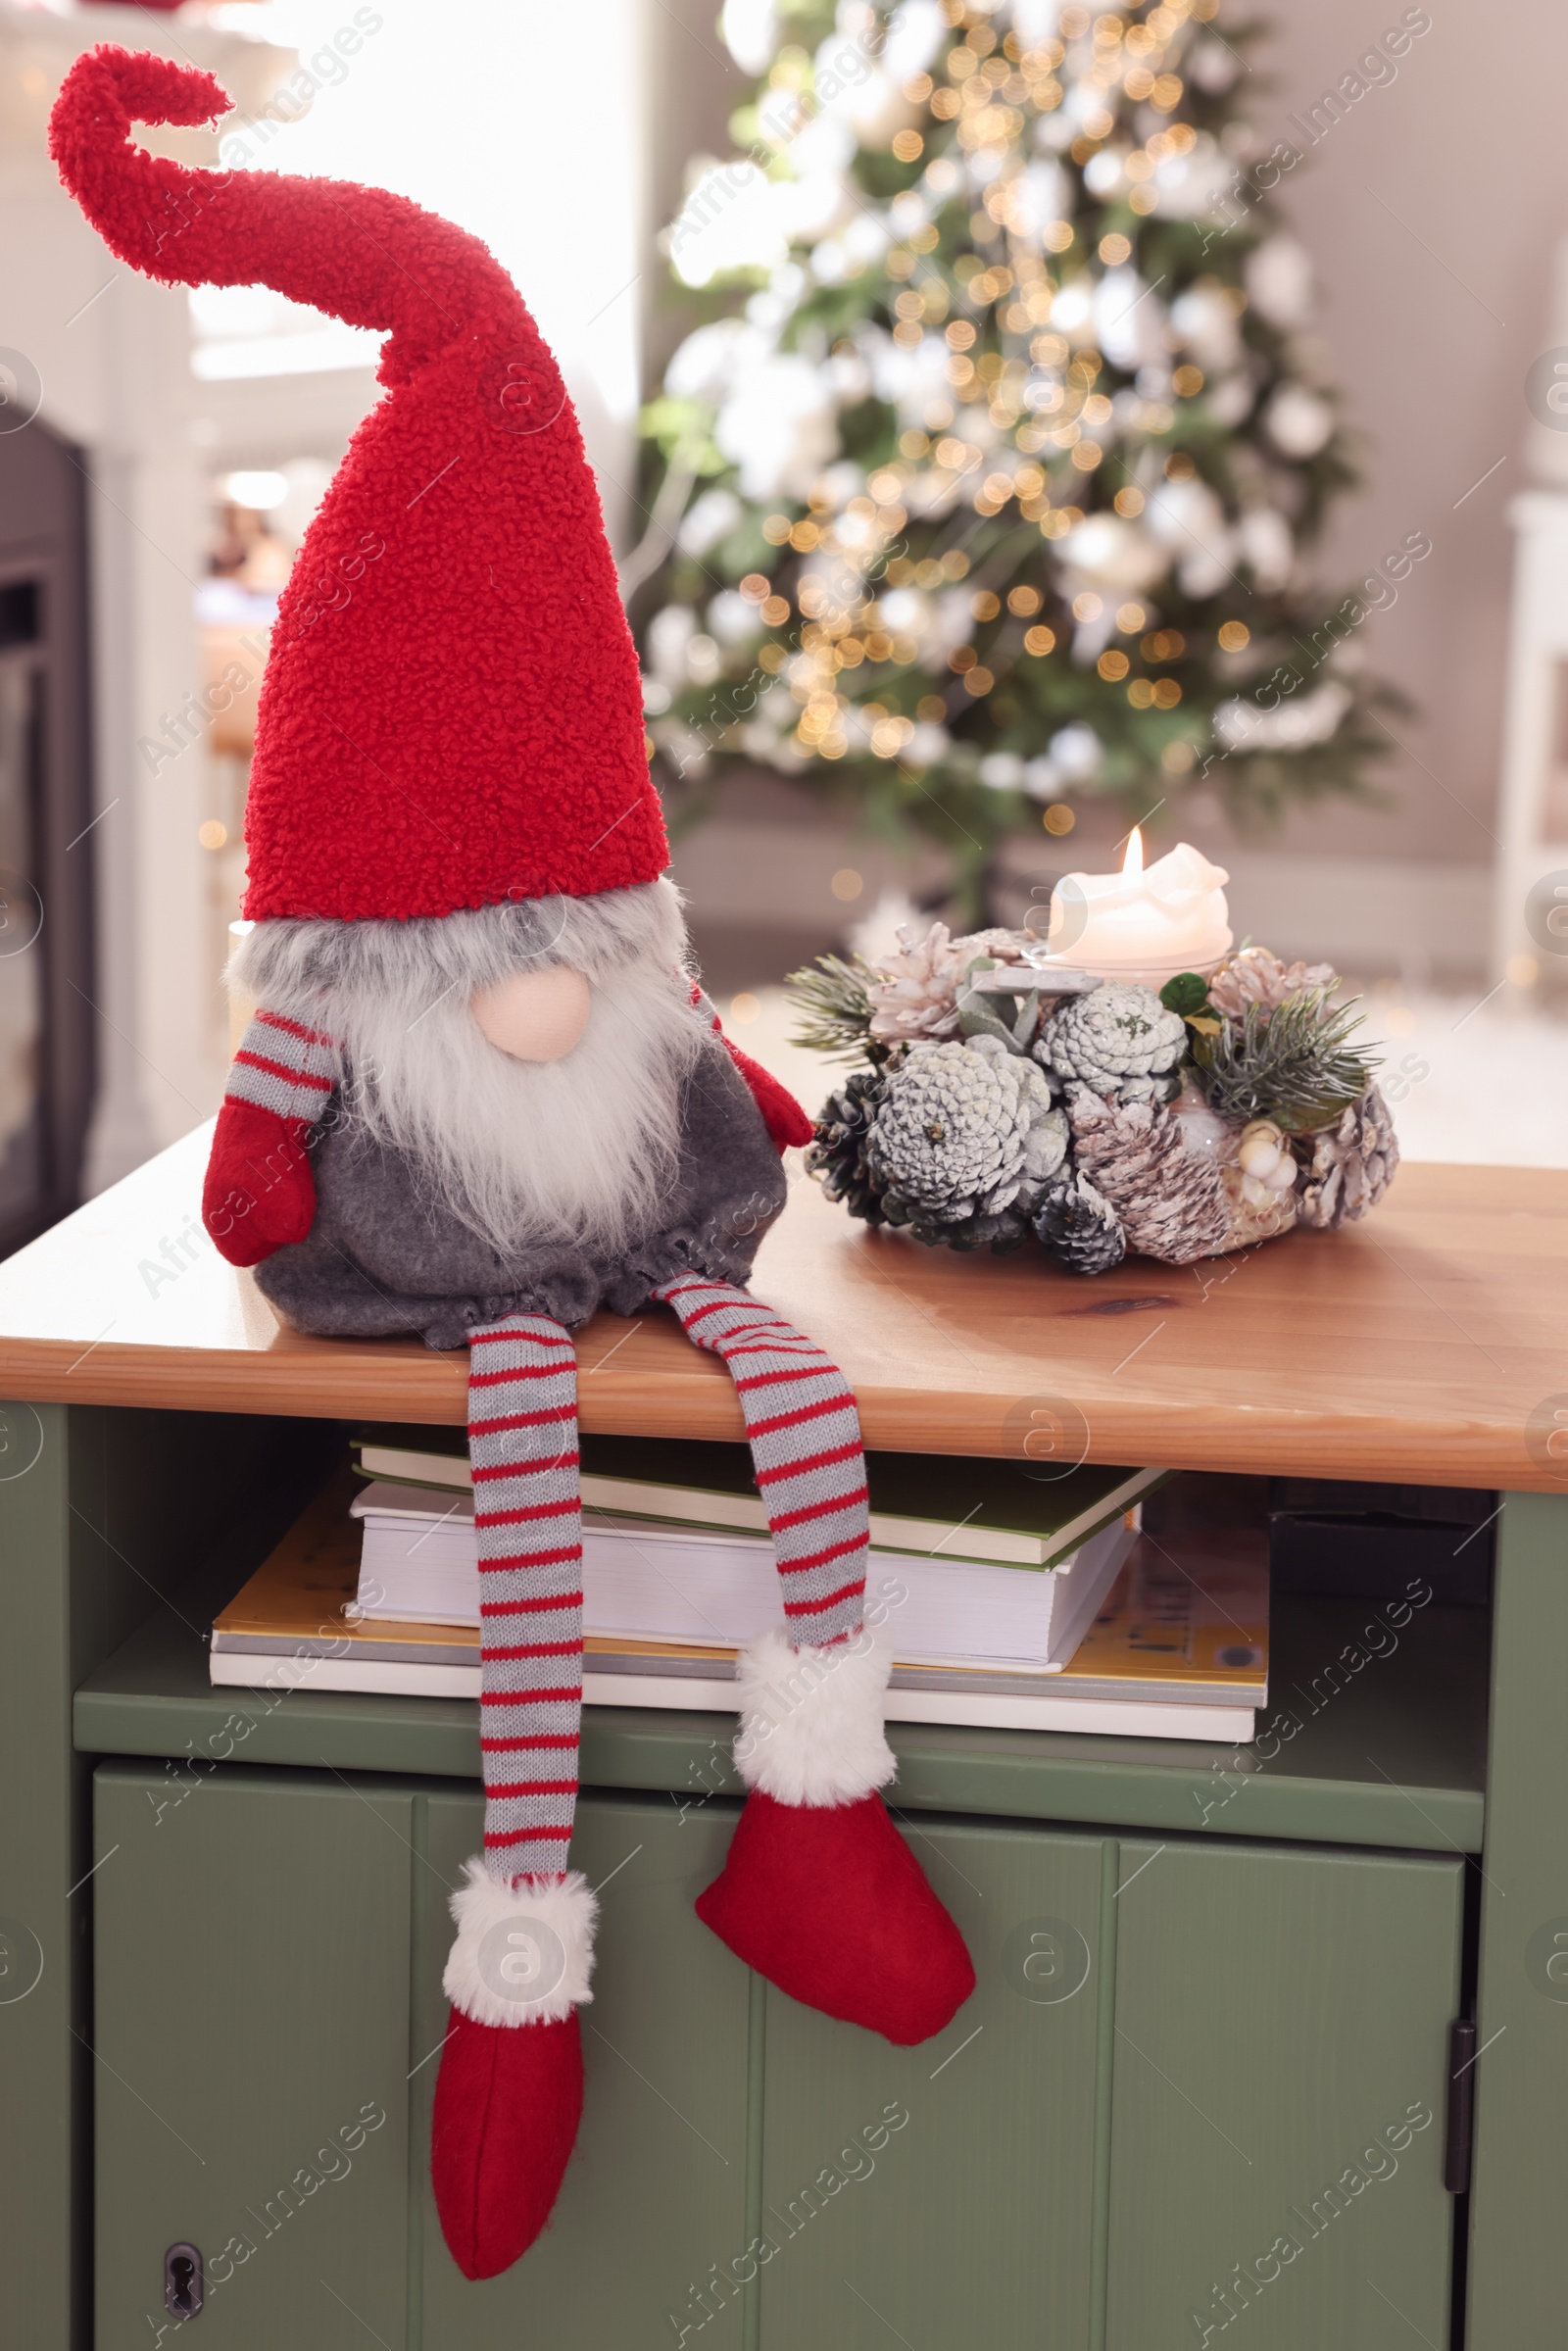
{"x":1433,"y":212}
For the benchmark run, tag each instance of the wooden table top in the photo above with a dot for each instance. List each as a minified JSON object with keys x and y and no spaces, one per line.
{"x":1427,"y":1344}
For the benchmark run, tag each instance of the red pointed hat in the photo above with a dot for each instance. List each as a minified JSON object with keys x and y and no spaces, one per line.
{"x":451,"y":713}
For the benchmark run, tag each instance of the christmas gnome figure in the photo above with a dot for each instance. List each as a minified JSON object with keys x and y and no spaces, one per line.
{"x":482,"y":1098}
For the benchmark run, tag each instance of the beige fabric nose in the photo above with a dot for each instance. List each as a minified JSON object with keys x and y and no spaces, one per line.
{"x":534,"y":1016}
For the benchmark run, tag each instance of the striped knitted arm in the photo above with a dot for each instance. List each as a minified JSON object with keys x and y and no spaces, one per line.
{"x":283,"y":1068}
{"x":522,"y":1445}
{"x":805,"y":1436}
{"x":260,"y":1195}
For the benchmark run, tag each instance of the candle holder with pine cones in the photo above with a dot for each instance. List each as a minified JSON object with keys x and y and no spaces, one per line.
{"x":1000,"y":1098}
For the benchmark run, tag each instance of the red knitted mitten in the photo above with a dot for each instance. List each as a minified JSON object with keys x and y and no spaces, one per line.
{"x":259,"y":1194}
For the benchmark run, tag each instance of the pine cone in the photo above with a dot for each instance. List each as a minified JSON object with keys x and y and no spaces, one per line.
{"x":1079,"y":1226}
{"x":1046,"y":1141}
{"x":1255,"y":976}
{"x":916,"y":995}
{"x":1171,"y":1202}
{"x":837,"y":1156}
{"x":1118,"y":1040}
{"x":949,"y":1138}
{"x":1348,"y":1167}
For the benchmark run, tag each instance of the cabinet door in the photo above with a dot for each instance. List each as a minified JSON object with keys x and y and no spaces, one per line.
{"x":656,"y":2190}
{"x":943,"y":2195}
{"x":1280,"y":2069}
{"x":251,"y":2018}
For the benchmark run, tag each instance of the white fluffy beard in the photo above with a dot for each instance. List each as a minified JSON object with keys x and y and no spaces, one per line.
{"x":580,"y":1152}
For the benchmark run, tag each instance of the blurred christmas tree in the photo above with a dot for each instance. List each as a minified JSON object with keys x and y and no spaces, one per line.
{"x":991,"y":485}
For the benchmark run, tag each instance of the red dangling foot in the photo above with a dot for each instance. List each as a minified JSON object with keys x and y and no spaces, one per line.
{"x":509,"y":2096}
{"x":831,"y":1904}
{"x":819,"y":1893}
{"x":508,"y":2103}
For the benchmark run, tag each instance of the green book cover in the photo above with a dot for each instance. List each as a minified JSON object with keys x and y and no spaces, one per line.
{"x":940,"y":1505}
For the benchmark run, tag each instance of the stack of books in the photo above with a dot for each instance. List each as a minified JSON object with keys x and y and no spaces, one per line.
{"x":1008,"y":1601}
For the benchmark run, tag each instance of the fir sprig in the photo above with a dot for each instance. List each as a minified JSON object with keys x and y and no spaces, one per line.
{"x":1294,"y":1064}
{"x":830,"y":997}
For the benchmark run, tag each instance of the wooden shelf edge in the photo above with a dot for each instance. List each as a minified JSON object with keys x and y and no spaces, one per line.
{"x":286,"y":1385}
{"x":398,"y":1382}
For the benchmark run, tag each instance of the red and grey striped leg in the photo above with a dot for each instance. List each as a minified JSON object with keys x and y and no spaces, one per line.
{"x":805,"y":1436}
{"x":510,"y":2092}
{"x":819,"y":1893}
{"x":522,"y":1448}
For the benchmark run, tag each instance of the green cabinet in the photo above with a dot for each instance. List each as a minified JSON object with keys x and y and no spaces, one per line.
{"x":1197,"y":2083}
{"x":1279,"y":2097}
{"x":251,"y":2023}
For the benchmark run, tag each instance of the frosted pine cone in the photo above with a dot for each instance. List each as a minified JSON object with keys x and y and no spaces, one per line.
{"x":1347,"y":1168}
{"x":1255,"y":976}
{"x":917,"y":995}
{"x":952,"y":1135}
{"x":1078,"y":1226}
{"x":1045,"y":1145}
{"x":1171,"y":1202}
{"x":1117,"y":1040}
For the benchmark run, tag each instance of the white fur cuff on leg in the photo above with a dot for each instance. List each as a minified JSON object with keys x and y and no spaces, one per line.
{"x":522,"y":1957}
{"x":810,"y":1727}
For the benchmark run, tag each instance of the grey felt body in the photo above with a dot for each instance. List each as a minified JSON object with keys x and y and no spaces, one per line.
{"x":380,"y":1261}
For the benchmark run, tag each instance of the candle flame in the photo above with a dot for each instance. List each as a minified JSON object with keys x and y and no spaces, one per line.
{"x":1133,"y":861}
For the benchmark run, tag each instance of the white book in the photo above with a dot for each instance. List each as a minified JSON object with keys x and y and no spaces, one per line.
{"x":988,"y":1710}
{"x":647,"y":1581}
{"x":1058,"y":1710}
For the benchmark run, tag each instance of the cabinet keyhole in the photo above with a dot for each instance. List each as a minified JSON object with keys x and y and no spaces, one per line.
{"x":182,"y":2281}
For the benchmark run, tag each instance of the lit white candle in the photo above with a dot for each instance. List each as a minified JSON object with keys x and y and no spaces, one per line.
{"x":1143,"y":924}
